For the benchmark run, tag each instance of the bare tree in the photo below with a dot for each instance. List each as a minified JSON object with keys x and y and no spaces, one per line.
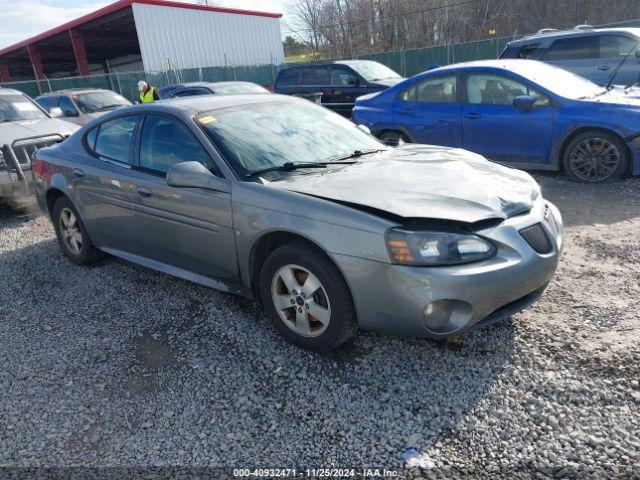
{"x":354,"y":27}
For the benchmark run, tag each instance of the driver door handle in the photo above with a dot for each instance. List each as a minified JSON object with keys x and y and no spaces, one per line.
{"x":472,"y":115}
{"x":604,"y":68}
{"x":77,"y":173}
{"x":144,"y":192}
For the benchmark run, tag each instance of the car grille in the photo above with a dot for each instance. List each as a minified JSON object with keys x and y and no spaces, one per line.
{"x":537,"y":238}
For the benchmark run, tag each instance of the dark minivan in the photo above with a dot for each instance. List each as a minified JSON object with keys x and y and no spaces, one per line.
{"x":340,"y":82}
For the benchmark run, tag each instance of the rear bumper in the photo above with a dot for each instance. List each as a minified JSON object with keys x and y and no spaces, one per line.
{"x":392,"y":299}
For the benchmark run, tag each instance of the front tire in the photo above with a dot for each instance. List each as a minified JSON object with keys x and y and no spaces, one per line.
{"x":393,"y":138}
{"x":307,"y":298}
{"x":72,"y":235}
{"x":596,"y":157}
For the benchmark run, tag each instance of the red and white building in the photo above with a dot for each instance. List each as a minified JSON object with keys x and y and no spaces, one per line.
{"x":147,"y":35}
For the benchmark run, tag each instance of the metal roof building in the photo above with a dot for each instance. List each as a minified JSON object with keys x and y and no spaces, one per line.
{"x":149,"y":35}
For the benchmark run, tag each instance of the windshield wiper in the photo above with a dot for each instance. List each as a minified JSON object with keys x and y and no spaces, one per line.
{"x":286,"y":167}
{"x":357,"y":153}
{"x":290,"y":166}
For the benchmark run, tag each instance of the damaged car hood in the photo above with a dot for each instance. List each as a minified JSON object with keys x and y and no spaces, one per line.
{"x":420,"y":181}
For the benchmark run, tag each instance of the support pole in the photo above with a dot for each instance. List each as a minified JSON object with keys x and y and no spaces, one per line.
{"x":77,"y":42}
{"x":36,"y":62}
{"x":4,"y":72}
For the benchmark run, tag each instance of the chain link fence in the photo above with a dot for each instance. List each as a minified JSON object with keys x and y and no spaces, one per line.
{"x":406,"y":62}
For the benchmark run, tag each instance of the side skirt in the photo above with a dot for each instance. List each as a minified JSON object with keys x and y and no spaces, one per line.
{"x":227,"y":287}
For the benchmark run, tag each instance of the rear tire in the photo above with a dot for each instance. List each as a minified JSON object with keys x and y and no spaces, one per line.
{"x":393,"y":138}
{"x":307,"y":298}
{"x":72,"y":235}
{"x":595,"y":157}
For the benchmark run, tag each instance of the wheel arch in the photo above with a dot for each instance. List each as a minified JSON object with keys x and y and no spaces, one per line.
{"x":569,"y":137}
{"x":398,"y":129}
{"x":268,"y":242}
{"x":51,"y":197}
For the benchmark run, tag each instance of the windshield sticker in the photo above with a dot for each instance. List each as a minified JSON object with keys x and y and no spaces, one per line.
{"x":25,"y":107}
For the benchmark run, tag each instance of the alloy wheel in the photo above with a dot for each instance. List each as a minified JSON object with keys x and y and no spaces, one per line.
{"x":70,"y":231}
{"x":594,"y":159}
{"x":301,"y":300}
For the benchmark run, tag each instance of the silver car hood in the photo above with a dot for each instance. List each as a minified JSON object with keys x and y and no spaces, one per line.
{"x":10,"y":131}
{"x":420,"y":181}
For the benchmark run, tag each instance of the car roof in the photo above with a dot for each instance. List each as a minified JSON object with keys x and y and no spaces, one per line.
{"x":575,"y":32}
{"x":519,"y":66}
{"x":327,"y":63}
{"x":70,"y":91}
{"x":209,"y":84}
{"x":10,"y":91}
{"x":190,"y":106}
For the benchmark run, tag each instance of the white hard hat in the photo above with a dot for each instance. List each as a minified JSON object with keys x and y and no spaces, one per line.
{"x":141,"y":85}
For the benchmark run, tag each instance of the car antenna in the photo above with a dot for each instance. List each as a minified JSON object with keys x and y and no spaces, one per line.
{"x":615,"y":70}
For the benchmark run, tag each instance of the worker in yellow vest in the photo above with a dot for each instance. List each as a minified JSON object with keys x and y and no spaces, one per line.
{"x":147,"y":94}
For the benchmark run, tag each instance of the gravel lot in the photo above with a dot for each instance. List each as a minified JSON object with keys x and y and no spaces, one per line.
{"x":117,"y":365}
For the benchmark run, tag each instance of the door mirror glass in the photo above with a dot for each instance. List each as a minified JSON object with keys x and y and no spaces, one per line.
{"x":637,"y":52}
{"x":524,"y":101}
{"x":195,"y":175}
{"x":354,"y":82}
{"x":56,"y":112}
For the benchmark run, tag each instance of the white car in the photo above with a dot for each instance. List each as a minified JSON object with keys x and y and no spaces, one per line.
{"x":24,"y":127}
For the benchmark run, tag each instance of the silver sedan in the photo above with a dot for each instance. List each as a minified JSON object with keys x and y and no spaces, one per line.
{"x":283,"y":201}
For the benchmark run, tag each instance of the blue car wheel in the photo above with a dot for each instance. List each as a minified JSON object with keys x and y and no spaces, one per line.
{"x":596,"y":156}
{"x":393,"y":138}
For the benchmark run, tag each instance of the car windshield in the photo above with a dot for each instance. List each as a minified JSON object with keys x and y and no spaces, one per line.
{"x":99,"y":101}
{"x":18,"y":107}
{"x":563,"y":82}
{"x":260,"y":136}
{"x":238,"y":88}
{"x":373,"y":71}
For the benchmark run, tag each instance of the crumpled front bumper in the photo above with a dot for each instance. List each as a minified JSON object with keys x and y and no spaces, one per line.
{"x":391,"y":298}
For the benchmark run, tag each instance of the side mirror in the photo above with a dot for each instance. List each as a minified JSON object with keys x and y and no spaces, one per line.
{"x":637,"y":52}
{"x":365,"y":129}
{"x":524,"y":101}
{"x":56,"y":112}
{"x":70,"y":113}
{"x":195,"y":175}
{"x":354,"y":82}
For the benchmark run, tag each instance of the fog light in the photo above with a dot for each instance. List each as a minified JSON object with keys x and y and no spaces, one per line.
{"x":436,"y":315}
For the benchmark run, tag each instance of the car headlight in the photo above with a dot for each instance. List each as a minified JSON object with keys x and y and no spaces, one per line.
{"x":427,"y":248}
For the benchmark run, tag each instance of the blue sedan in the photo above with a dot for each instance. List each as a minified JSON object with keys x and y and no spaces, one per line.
{"x":524,"y":113}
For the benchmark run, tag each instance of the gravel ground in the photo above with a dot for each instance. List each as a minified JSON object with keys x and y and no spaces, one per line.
{"x":117,"y":365}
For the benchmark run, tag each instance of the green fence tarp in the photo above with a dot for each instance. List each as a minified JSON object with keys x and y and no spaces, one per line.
{"x":405,"y":62}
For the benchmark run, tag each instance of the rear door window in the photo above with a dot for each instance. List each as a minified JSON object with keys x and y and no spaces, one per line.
{"x":114,"y":138}
{"x":315,"y":76}
{"x":441,"y":89}
{"x":575,"y":48}
{"x":288,"y":78}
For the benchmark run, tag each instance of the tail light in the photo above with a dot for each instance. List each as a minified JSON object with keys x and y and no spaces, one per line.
{"x":42,"y":169}
{"x":271,"y":88}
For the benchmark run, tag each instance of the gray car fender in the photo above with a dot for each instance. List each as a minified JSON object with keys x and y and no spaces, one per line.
{"x":337,"y":229}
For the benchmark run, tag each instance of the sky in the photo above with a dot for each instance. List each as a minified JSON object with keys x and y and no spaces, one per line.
{"x":21,"y":19}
